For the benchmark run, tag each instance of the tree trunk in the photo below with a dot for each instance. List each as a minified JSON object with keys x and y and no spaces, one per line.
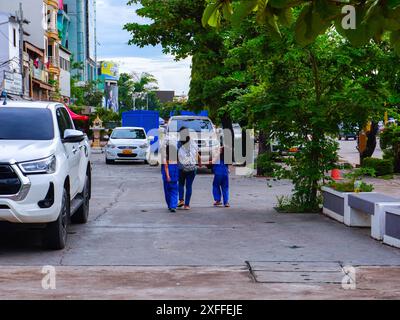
{"x":262,"y":148}
{"x":371,"y":142}
{"x":226,"y":122}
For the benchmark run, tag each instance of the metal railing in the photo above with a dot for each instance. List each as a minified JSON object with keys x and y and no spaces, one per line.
{"x":54,"y":61}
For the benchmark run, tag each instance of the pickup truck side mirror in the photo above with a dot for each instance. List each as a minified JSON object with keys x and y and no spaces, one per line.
{"x":73,"y":136}
{"x":151,"y":138}
{"x":106,"y":138}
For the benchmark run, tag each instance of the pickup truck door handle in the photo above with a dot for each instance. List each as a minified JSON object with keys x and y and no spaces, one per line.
{"x":74,"y":150}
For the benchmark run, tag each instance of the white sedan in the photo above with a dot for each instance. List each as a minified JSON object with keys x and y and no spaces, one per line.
{"x":128,"y":143}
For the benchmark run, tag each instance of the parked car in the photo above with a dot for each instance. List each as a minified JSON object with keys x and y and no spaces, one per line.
{"x":347,"y":132}
{"x":202,"y":130}
{"x":128,"y":143}
{"x":45,"y":172}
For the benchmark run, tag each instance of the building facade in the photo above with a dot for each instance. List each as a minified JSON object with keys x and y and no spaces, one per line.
{"x":82,"y":41}
{"x":65,"y":75}
{"x":41,"y":49}
{"x":11,"y":79}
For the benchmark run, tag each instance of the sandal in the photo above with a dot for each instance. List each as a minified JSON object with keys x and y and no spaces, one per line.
{"x":217,"y":203}
{"x":186,"y":208}
{"x":181,"y":203}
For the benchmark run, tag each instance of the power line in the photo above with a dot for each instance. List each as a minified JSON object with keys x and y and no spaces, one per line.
{"x":5,"y":36}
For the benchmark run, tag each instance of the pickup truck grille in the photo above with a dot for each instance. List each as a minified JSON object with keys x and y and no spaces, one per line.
{"x":9,"y":181}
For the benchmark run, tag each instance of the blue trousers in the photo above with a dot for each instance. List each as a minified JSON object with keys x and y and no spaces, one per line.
{"x":171,"y":194}
{"x":221,"y":188}
{"x":186,"y":179}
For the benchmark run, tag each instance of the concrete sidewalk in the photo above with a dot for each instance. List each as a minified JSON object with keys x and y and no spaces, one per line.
{"x":133,"y":247}
{"x":124,"y":282}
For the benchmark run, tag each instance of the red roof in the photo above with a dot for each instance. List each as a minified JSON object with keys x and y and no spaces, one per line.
{"x":75,"y":116}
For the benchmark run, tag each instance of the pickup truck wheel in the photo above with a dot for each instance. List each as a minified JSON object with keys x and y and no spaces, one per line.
{"x":56,"y":232}
{"x":82,"y":214}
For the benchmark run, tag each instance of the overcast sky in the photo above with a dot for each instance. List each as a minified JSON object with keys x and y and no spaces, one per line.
{"x":113,"y":45}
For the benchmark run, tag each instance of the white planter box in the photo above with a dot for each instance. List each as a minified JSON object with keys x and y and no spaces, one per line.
{"x":335,"y":206}
{"x":371,"y":207}
{"x":392,"y":227}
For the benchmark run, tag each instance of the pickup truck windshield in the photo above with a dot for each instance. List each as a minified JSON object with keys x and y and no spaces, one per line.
{"x":196,"y":125}
{"x":26,"y":124}
{"x":128,"y":134}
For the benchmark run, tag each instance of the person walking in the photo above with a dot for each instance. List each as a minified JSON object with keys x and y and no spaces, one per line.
{"x":221,"y":181}
{"x":170,"y":176}
{"x":188,"y":158}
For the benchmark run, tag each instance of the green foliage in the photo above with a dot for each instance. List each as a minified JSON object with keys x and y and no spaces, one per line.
{"x":373,"y":18}
{"x":353,"y":176}
{"x":382,"y":167}
{"x":266,"y":164}
{"x":348,"y":186}
{"x":129,"y":85}
{"x":86,"y":95}
{"x":360,"y":172}
{"x":106,"y":115}
{"x":165,"y":109}
{"x":390,"y":144}
{"x":289,"y":204}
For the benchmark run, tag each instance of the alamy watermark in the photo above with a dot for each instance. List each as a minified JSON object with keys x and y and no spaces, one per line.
{"x":49,"y":280}
{"x":349,"y":278}
{"x":349,"y":21}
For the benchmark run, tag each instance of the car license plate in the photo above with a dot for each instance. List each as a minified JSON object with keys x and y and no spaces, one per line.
{"x":127,"y":151}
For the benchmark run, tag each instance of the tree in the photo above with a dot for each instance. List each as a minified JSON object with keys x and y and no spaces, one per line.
{"x":137,"y":89}
{"x":125,"y":91}
{"x":371,"y":19}
{"x":176,"y":26}
{"x":86,"y":94}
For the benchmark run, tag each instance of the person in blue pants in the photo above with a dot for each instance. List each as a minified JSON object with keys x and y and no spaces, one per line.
{"x":170,"y":176}
{"x":188,"y":159}
{"x":221,"y":181}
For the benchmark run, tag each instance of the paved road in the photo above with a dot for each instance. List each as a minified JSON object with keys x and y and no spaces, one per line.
{"x":348,"y":151}
{"x":131,"y":235}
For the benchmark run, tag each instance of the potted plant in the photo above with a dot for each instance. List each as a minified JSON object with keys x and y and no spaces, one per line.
{"x":335,"y":193}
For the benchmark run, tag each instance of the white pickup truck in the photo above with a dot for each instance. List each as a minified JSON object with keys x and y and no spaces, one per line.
{"x":45,"y":172}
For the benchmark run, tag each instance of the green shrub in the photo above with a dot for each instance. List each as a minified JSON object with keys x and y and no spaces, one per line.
{"x":348,"y":186}
{"x":266,"y":165}
{"x":382,"y":166}
{"x":289,"y":204}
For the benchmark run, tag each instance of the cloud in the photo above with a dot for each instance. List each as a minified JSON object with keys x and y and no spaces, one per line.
{"x":171,"y":74}
{"x":111,"y":17}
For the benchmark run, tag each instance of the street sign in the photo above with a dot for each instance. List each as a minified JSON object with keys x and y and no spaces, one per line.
{"x":13,"y":82}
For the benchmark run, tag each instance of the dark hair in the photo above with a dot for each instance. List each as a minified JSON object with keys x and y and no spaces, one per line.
{"x":187,"y":138}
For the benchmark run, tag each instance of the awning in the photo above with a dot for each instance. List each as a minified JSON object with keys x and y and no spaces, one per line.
{"x":75,"y":116}
{"x":42,"y":84}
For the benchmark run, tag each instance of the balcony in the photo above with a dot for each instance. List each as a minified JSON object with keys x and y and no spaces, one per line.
{"x":52,"y":33}
{"x":54,"y":65}
{"x":53,"y":3}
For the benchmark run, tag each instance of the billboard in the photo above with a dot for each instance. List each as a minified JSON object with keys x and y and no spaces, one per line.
{"x":109,"y":68}
{"x":111,"y":96}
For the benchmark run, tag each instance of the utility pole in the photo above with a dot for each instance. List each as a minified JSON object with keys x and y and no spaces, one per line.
{"x":20,"y":20}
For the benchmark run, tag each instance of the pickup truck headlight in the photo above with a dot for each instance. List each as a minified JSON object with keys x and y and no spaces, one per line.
{"x":47,"y":165}
{"x":111,"y":146}
{"x":144,"y":146}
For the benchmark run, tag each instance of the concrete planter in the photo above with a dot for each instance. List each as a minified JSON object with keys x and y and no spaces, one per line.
{"x":335,"y":206}
{"x":392,"y":227}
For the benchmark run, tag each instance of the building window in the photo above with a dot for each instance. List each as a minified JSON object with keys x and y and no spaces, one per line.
{"x":14,"y":37}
